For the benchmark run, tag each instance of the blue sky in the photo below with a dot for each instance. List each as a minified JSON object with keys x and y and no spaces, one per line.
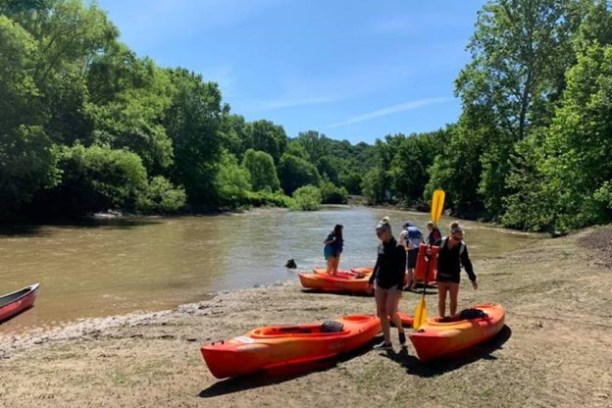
{"x":355,"y":70}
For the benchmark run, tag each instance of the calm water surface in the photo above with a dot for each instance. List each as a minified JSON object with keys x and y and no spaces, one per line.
{"x":115,"y":267}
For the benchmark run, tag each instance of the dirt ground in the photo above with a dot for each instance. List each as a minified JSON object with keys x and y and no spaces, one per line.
{"x":556,"y":350}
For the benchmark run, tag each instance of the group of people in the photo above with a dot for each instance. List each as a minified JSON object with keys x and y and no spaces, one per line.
{"x":395,"y":269}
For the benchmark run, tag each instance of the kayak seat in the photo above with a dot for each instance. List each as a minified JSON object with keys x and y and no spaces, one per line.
{"x":294,"y":329}
{"x":331,"y":326}
{"x":470,"y":314}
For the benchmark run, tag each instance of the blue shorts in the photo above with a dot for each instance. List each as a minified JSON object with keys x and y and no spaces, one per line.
{"x":329,"y":252}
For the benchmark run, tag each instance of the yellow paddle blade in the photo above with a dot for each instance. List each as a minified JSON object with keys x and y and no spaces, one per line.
{"x":437,"y":205}
{"x":420,"y":315}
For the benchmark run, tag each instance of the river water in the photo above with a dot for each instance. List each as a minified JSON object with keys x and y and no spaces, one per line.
{"x":111,"y":267}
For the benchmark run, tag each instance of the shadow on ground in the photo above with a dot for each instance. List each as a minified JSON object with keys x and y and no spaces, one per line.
{"x":452,"y":362}
{"x":279,"y":374}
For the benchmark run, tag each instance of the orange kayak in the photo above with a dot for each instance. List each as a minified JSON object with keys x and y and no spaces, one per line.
{"x":406,"y":319}
{"x":342,"y":282}
{"x":364,"y":270}
{"x":273,"y":346}
{"x":437,"y":338}
{"x":355,"y":272}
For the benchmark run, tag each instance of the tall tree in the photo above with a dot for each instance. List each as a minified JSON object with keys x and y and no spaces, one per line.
{"x":267,"y":137}
{"x":262,"y":171}
{"x":27,"y":161}
{"x":295,"y":172}
{"x":193,"y":122}
{"x":520,"y":52}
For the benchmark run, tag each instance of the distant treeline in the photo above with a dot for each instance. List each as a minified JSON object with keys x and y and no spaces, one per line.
{"x":86,"y":126}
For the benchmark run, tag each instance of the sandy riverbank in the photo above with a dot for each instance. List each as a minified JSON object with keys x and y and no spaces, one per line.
{"x":556,"y":350}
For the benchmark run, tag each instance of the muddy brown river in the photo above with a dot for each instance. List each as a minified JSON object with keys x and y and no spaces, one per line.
{"x":110,"y":267}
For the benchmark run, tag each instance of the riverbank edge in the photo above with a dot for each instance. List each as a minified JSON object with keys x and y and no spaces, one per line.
{"x":600,"y":236}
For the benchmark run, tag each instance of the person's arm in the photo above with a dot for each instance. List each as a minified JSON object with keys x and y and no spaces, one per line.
{"x":374,"y":271}
{"x":401,"y":265}
{"x":467,"y":264}
{"x":330,"y":239}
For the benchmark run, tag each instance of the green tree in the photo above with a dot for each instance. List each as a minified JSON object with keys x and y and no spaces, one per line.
{"x":307,"y":198}
{"x":161,"y":197}
{"x":267,"y":137}
{"x":520,"y":52}
{"x":232,"y":182}
{"x":68,"y":36}
{"x":27,"y":161}
{"x":193,"y":122}
{"x":332,"y":194}
{"x":261,"y":168}
{"x":132,"y":119}
{"x":412,"y":160}
{"x":97,"y":178}
{"x":458,"y":169}
{"x":295,"y":172}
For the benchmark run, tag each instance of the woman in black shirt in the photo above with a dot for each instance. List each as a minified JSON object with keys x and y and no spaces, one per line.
{"x":388,"y":275}
{"x":453,"y":253}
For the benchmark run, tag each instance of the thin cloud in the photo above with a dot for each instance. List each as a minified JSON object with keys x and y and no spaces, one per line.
{"x":290,"y":103}
{"x":303,"y":88}
{"x":402,"y":107}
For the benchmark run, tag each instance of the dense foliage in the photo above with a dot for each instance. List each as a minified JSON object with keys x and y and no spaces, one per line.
{"x":86,"y":125}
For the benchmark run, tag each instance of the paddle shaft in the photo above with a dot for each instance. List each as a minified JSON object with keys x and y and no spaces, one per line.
{"x":437,"y":204}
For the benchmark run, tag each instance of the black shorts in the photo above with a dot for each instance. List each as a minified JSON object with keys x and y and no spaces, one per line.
{"x":447,"y":278}
{"x":411,"y":258}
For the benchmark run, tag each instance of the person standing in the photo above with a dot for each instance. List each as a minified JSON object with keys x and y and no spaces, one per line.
{"x":435,"y":236}
{"x":411,"y":237}
{"x":388,"y":277}
{"x":334,"y":244}
{"x":452,"y":255}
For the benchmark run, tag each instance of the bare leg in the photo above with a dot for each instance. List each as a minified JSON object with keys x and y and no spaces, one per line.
{"x":336,"y":263}
{"x":442,"y":288}
{"x":412,"y":278}
{"x":393,"y":300}
{"x":381,"y":311}
{"x":453,"y":289}
{"x":330,"y":265}
{"x":407,"y":280}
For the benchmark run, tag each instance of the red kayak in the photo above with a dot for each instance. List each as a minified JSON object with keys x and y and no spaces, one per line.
{"x":14,"y":303}
{"x":274,"y":346}
{"x":473,"y":326}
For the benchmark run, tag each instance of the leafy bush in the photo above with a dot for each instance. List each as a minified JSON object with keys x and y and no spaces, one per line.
{"x":265,"y":198}
{"x":307,"y":198}
{"x":331,"y":194}
{"x":162,"y":197}
{"x":99,"y":178}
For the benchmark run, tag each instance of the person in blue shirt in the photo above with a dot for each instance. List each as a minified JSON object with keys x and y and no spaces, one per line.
{"x":411,"y":237}
{"x":334,"y":244}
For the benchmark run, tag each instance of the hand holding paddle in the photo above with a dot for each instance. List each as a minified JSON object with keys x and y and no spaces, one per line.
{"x":437,"y":205}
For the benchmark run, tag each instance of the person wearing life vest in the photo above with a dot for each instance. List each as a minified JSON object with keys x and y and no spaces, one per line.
{"x":452,"y":255}
{"x":435,"y":236}
{"x":411,"y":237}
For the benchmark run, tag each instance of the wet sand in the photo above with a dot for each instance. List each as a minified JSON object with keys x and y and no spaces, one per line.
{"x":556,"y":350}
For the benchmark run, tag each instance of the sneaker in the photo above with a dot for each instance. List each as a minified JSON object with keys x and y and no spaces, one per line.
{"x":383,"y":346}
{"x":402,"y":339}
